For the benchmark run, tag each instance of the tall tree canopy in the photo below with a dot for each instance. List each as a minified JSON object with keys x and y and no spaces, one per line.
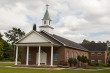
{"x":1,"y":46}
{"x":14,"y":34}
{"x":87,"y":41}
{"x":1,"y":35}
{"x":5,"y":49}
{"x":34,"y":27}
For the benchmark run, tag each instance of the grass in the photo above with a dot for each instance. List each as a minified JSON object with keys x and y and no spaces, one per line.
{"x":7,"y":63}
{"x":4,"y":69}
{"x":22,"y":70}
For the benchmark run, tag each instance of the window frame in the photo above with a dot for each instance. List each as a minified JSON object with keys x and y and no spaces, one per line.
{"x":67,"y":55}
{"x":45,"y":22}
{"x":92,"y":61}
{"x":29,"y":57}
{"x":99,"y":61}
{"x":92,"y":53}
{"x":55,"y":57}
{"x":76,"y":55}
{"x":99,"y":53}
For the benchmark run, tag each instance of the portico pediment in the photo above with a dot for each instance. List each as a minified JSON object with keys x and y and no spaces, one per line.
{"x":33,"y":37}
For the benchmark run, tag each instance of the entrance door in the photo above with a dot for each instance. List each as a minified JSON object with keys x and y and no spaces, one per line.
{"x":43,"y":58}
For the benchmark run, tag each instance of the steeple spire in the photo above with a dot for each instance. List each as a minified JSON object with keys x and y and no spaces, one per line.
{"x":46,"y":21}
{"x":46,"y":16}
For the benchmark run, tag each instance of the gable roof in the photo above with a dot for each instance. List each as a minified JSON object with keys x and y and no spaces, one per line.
{"x":95,"y":46}
{"x":63,"y":41}
{"x":54,"y":39}
{"x":30,"y":41}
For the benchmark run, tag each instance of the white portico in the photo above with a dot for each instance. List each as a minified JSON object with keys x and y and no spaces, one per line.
{"x":34,"y":39}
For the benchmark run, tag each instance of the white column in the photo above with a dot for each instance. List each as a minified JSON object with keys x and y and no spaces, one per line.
{"x":51,"y":56}
{"x":27,"y":55}
{"x":39,"y":56}
{"x":16,"y":55}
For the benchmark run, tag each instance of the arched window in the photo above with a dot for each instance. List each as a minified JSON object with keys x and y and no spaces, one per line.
{"x":67,"y":56}
{"x":72,"y":54}
{"x":76,"y":55}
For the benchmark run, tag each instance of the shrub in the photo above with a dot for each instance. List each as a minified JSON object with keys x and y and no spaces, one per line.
{"x":93,"y":64}
{"x":84,"y":59}
{"x":101,"y":64}
{"x":79,"y":57}
{"x":109,"y":61}
{"x":97,"y":64}
{"x":88,"y":61}
{"x":108,"y":64}
{"x":75,"y":61}
{"x":70,"y":61}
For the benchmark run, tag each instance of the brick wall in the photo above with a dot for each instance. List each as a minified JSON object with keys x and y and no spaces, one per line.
{"x":33,"y":51}
{"x":62,"y":54}
{"x":79,"y":52}
{"x":95,"y":57}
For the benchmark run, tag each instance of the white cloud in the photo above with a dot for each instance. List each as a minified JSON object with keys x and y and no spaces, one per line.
{"x":73,"y":19}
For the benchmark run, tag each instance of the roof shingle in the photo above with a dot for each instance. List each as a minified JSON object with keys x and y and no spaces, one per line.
{"x":95,"y":46}
{"x":63,"y":41}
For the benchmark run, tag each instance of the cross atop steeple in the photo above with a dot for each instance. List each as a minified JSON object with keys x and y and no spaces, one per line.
{"x":46,"y":21}
{"x":46,"y":15}
{"x":47,"y":6}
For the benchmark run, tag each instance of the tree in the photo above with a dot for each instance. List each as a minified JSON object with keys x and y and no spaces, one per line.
{"x":34,"y":27}
{"x":13,"y":35}
{"x":85,"y":41}
{"x":92,"y":42}
{"x":107,"y":41}
{"x":1,"y":35}
{"x":1,"y":46}
{"x":79,"y":57}
{"x":99,"y":42}
{"x":5,"y":49}
{"x":84,"y":59}
{"x":1,"y":49}
{"x":70,"y":61}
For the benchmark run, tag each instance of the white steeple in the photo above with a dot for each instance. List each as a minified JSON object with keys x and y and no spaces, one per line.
{"x":46,"y":22}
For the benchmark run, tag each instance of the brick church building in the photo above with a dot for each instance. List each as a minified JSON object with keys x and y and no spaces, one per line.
{"x":43,"y":47}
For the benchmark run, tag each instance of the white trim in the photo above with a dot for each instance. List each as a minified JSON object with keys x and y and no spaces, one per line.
{"x":29,"y":34}
{"x":24,"y":36}
{"x":16,"y":55}
{"x":27,"y":55}
{"x":99,"y":53}
{"x":92,"y":53}
{"x":92,"y":61}
{"x":36,"y":44}
{"x":39,"y":55}
{"x":51,"y":55}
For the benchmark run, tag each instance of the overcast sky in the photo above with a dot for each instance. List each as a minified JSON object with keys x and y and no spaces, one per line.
{"x":73,"y":19}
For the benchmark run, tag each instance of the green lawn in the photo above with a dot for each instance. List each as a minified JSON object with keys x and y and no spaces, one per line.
{"x":4,"y":69}
{"x":7,"y":64}
{"x":22,"y":70}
